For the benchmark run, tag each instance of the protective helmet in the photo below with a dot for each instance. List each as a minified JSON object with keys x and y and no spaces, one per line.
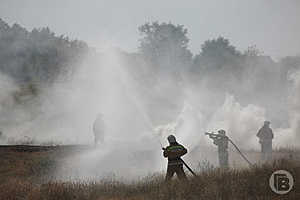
{"x":221,"y":132}
{"x":171,"y":139}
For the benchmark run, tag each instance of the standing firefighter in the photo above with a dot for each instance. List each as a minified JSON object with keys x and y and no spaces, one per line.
{"x":221,"y":140}
{"x":175,"y":165}
{"x":265,"y":135}
{"x":98,"y":129}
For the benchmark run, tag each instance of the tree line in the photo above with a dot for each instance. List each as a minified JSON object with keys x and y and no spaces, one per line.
{"x":163,"y":56}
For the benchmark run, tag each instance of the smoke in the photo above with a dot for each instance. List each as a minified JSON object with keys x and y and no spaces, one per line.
{"x":290,"y":136}
{"x":240,"y":122}
{"x":130,"y":145}
{"x":295,"y":104}
{"x":7,"y":88}
{"x":15,"y":118}
{"x":139,"y":115}
{"x":64,"y":113}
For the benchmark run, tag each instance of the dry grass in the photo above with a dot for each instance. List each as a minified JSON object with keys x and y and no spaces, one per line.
{"x":20,"y":180}
{"x":214,"y":184}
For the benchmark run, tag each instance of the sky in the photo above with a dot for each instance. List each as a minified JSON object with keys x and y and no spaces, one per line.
{"x":272,"y":25}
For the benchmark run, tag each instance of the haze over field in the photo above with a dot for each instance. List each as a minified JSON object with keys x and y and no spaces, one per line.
{"x":167,"y":79}
{"x":102,"y":23}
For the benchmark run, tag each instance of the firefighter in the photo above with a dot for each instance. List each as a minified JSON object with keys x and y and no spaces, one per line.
{"x":173,"y":152}
{"x":265,"y":135}
{"x":98,"y":129}
{"x":221,"y":140}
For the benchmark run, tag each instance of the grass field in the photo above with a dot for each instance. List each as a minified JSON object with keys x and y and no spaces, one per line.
{"x":24,"y":174}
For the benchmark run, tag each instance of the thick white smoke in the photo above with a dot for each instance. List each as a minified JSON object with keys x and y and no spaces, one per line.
{"x":65,"y":112}
{"x":7,"y":88}
{"x":129,"y":146}
{"x":289,"y":137}
{"x":295,"y":104}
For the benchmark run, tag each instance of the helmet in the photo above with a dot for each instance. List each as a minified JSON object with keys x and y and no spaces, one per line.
{"x":221,"y":132}
{"x":171,"y":139}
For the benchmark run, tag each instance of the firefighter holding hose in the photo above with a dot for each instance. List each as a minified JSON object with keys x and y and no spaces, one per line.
{"x":175,"y":164}
{"x":221,"y":140}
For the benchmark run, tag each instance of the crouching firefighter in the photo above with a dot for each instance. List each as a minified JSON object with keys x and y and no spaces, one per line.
{"x":175,"y":165}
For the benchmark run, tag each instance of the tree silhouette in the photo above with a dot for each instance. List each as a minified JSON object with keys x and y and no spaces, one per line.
{"x":165,"y":47}
{"x":36,"y":56}
{"x":217,"y":54}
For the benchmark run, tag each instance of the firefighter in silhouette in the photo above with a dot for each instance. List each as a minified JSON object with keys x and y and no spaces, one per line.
{"x":99,"y":129}
{"x":173,"y":152}
{"x":221,"y":140}
{"x":265,"y":135}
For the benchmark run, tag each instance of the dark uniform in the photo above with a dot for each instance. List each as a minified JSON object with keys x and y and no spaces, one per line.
{"x":175,"y":165}
{"x":265,"y":135}
{"x":222,"y":142}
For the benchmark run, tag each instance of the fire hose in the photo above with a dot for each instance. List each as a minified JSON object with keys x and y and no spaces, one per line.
{"x":235,"y":146}
{"x":188,"y":167}
{"x":184,"y":163}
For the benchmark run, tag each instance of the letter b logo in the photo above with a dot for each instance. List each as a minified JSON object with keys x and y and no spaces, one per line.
{"x":281,"y":182}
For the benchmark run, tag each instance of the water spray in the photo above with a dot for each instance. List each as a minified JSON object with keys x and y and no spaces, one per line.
{"x":150,"y":125}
